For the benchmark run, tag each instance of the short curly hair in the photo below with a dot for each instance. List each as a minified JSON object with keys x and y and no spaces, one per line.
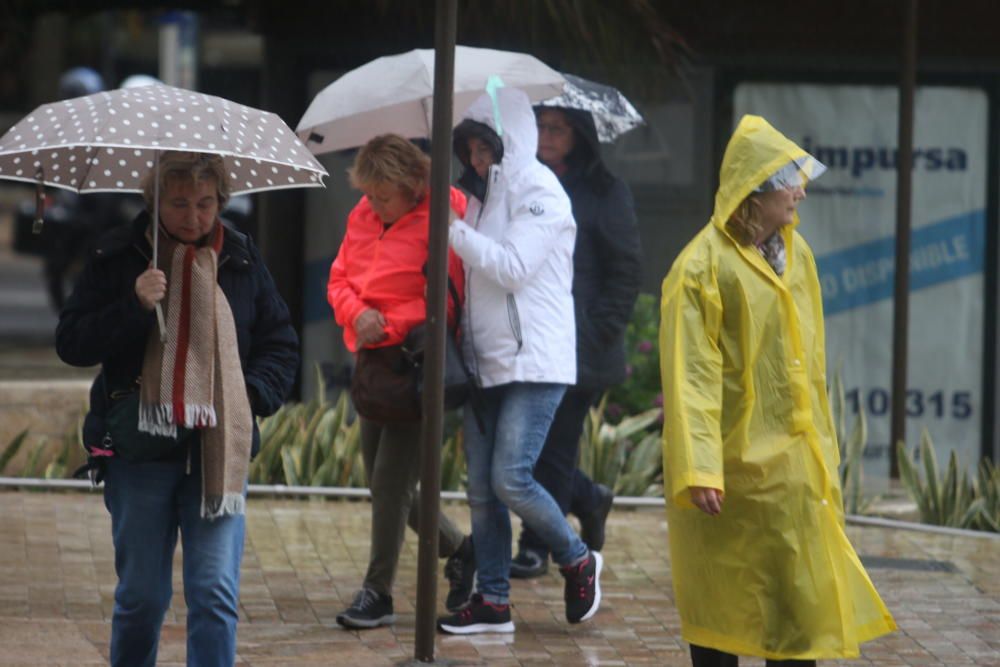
{"x":187,"y":166}
{"x":390,"y":158}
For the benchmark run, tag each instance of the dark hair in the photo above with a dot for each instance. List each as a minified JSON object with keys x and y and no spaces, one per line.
{"x":469,"y":128}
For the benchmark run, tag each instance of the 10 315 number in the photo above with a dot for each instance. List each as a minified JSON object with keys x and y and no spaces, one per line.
{"x":939,"y":404}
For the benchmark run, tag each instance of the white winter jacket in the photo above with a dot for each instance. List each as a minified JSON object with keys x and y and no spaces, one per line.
{"x":517,"y":248}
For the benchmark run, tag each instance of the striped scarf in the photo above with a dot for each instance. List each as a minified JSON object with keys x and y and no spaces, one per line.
{"x":195,"y":379}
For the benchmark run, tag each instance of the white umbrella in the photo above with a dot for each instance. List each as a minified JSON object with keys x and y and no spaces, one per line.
{"x":394,"y":94}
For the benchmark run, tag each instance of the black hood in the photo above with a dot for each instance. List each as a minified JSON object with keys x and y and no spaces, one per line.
{"x":470,"y":180}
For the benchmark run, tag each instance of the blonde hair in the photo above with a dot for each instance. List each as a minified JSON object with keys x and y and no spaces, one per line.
{"x":389,"y":158}
{"x":744,"y":223}
{"x":190,"y":167}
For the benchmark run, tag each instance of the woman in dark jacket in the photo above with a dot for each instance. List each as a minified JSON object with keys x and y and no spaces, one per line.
{"x":606,"y":277}
{"x":230,"y":353}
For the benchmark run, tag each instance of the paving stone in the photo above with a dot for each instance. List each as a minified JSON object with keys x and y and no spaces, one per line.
{"x":305,"y":559}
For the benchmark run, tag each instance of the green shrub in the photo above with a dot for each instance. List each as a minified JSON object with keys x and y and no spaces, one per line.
{"x":852,"y":449}
{"x":310,"y":444}
{"x":641,"y":389}
{"x":954,"y":500}
{"x":46,"y":459}
{"x":610,"y":456}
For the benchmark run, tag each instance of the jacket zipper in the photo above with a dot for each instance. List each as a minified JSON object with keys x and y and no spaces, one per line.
{"x":514,"y":320}
{"x":468,"y":278}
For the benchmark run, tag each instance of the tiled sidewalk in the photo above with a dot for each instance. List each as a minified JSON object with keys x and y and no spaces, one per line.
{"x":304,"y":560}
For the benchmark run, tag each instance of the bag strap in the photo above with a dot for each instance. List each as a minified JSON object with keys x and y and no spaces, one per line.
{"x":453,"y":291}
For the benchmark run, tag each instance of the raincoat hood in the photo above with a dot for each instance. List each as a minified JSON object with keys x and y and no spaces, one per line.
{"x":512,"y":118}
{"x":754,"y":153}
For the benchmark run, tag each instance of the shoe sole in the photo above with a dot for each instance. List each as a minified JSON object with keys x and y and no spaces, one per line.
{"x":599,"y":559}
{"x":365,"y":624}
{"x":477,"y":628}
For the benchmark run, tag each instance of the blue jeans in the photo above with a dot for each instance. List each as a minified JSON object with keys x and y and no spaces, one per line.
{"x":516,"y":417}
{"x":148,"y":503}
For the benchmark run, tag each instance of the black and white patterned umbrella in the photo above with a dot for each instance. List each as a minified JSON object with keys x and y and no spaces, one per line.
{"x":613,"y":114}
{"x":107,"y":142}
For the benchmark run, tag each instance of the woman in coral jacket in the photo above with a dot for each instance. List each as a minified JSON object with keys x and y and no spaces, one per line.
{"x":377,"y":291}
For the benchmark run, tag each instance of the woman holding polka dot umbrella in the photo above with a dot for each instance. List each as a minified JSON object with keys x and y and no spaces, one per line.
{"x":171,"y":426}
{"x":108,"y":141}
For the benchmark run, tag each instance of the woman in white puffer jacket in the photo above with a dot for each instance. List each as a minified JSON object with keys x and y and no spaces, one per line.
{"x":519,"y":337}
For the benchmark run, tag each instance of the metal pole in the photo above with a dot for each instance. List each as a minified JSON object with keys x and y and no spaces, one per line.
{"x":445,"y":15}
{"x":904,"y":187}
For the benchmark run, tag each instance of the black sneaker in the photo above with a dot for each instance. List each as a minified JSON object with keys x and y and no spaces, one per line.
{"x":460,"y":570}
{"x":369,"y":610}
{"x":592,"y":525}
{"x":477,"y":616}
{"x":583,"y":587}
{"x":528,"y":564}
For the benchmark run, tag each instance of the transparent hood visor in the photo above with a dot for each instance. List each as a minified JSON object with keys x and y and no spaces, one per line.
{"x":795,"y":174}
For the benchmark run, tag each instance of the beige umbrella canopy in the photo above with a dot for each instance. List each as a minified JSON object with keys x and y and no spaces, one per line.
{"x":106,"y":142}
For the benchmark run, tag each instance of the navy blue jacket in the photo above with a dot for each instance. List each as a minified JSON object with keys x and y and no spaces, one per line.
{"x":607,"y":260}
{"x":104,"y":323}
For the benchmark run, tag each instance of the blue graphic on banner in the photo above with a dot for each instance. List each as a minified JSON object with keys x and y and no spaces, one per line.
{"x":939,"y":252}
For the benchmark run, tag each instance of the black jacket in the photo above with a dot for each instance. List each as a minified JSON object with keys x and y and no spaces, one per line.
{"x":104,"y":323}
{"x":607,"y":266}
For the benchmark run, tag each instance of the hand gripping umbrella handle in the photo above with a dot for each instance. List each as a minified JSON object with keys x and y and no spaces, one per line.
{"x":155,"y":221}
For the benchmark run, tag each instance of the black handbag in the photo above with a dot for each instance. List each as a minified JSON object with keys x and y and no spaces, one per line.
{"x":457,"y":378}
{"x":131,"y":444}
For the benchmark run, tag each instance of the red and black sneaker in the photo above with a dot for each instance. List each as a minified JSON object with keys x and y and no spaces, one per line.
{"x":478,"y":616}
{"x":583,"y":587}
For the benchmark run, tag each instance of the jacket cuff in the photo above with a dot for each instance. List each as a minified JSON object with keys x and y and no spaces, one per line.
{"x":683,"y":483}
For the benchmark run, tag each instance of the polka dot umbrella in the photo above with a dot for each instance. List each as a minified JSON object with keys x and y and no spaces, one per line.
{"x":107,"y":142}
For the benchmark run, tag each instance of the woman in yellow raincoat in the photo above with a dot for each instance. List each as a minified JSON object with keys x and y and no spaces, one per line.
{"x":761,"y":563}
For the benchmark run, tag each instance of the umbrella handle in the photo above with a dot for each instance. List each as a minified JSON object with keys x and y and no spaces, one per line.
{"x":161,"y":323}
{"x":155,"y":221}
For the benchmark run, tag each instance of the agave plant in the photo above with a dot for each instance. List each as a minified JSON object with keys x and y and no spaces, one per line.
{"x":453,"y":471}
{"x":310,"y":444}
{"x":852,"y":448}
{"x":987,"y":504}
{"x":609,"y":456}
{"x":950,"y":501}
{"x":11,"y":450}
{"x":43,"y":458}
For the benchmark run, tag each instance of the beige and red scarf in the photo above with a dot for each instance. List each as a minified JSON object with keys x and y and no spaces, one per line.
{"x":195,"y":379}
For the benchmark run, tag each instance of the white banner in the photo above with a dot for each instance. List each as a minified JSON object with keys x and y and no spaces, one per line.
{"x":849,"y":220}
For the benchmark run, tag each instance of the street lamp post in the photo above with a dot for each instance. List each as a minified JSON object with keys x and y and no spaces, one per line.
{"x":437,"y":271}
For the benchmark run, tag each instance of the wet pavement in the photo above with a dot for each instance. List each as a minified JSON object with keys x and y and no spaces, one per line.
{"x":305,"y":558}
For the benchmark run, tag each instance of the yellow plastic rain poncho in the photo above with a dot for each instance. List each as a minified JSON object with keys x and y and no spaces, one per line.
{"x":746,"y":411}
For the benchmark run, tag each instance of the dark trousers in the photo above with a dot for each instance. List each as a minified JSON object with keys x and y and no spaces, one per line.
{"x":709,"y":657}
{"x":556,"y":469}
{"x":391,"y":454}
